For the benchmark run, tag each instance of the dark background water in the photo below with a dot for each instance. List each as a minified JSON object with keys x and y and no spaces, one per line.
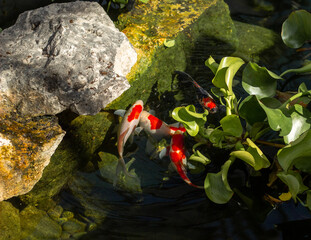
{"x":171,"y":209}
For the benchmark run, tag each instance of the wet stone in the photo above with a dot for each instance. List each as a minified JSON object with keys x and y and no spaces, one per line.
{"x":9,"y":222}
{"x":74,"y":226}
{"x":56,"y":212}
{"x":36,"y":224}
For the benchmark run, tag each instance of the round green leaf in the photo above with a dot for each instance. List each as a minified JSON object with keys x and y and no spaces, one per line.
{"x":300,"y":123}
{"x":259,"y":81}
{"x":251,"y":111}
{"x":253,"y":156}
{"x":278,"y":118}
{"x":299,"y":149}
{"x":296,"y":30}
{"x":189,"y":118}
{"x":231,"y":124}
{"x":216,"y":185}
{"x":226,"y":71}
{"x":210,"y":62}
{"x":294,"y":182}
{"x":169,"y":43}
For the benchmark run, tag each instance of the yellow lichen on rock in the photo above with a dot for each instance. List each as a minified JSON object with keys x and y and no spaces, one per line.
{"x":26,"y":146}
{"x":153,"y":22}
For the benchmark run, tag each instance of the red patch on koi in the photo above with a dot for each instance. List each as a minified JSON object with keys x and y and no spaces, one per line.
{"x":135,"y":113}
{"x":182,"y":129}
{"x":155,"y":123}
{"x":209,"y":103}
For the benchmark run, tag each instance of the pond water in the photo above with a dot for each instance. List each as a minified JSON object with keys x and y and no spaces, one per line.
{"x":167,"y":208}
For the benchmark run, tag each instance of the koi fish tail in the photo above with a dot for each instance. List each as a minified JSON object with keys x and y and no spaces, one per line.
{"x":187,"y":180}
{"x":121,"y":167}
{"x":187,"y":77}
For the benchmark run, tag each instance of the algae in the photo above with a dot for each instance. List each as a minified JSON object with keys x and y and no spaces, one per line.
{"x":9,"y":222}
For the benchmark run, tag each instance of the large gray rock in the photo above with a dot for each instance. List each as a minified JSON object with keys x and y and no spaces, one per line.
{"x":63,"y":56}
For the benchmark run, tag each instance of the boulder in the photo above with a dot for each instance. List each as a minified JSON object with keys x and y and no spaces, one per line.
{"x":63,"y":56}
{"x":26,"y":146}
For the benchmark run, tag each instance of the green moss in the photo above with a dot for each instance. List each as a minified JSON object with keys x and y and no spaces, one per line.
{"x":9,"y":222}
{"x":255,"y":41}
{"x":183,"y":21}
{"x":36,"y":224}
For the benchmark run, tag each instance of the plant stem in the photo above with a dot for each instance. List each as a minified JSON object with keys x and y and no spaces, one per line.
{"x":277,"y":145}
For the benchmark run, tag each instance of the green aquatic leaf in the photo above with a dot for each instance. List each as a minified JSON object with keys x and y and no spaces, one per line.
{"x":231,"y":124}
{"x":199,"y":157}
{"x":294,"y":182}
{"x":296,"y":29}
{"x":252,"y":156}
{"x":259,"y":81}
{"x":298,"y":150}
{"x":144,"y":1}
{"x":278,"y":118}
{"x":251,"y":111}
{"x":210,"y":62}
{"x":169,"y":43}
{"x":217,"y":137}
{"x":226,"y":71}
{"x":191,"y":120}
{"x":217,"y":187}
{"x":302,"y":88}
{"x":304,"y":69}
{"x":301,"y":122}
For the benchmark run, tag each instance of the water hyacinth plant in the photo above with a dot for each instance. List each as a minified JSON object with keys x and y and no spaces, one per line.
{"x":248,"y":120}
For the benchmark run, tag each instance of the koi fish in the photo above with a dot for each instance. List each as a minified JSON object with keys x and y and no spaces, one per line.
{"x":204,"y":98}
{"x":128,"y":125}
{"x":177,"y":155}
{"x":156,"y":128}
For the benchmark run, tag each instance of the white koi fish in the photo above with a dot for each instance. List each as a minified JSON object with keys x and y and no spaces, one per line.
{"x":128,"y":125}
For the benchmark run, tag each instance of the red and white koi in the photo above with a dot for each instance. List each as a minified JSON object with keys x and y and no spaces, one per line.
{"x":177,"y":154}
{"x":128,"y":125}
{"x":156,"y":128}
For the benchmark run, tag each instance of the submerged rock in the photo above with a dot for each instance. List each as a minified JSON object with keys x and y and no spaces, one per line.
{"x":36,"y":224}
{"x":63,"y":56}
{"x":9,"y":222}
{"x":26,"y":146}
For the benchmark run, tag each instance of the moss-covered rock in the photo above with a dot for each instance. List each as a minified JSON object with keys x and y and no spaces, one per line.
{"x":9,"y":222}
{"x":149,"y":25}
{"x":254,"y":41}
{"x":36,"y":224}
{"x":62,"y":164}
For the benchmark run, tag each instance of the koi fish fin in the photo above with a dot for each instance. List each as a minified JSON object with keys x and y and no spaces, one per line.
{"x":182,"y":172}
{"x":131,"y":138}
{"x":138,"y":130}
{"x":121,"y":167}
{"x":150,"y":148}
{"x":152,"y":112}
{"x":190,"y":166}
{"x":164,"y":152}
{"x":120,"y":112}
